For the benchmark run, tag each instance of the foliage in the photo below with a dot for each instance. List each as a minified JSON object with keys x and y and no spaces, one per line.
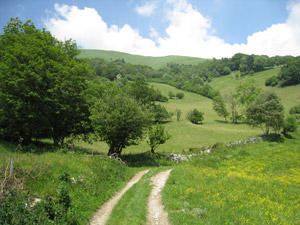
{"x":272,"y":81}
{"x":141,"y":92}
{"x":290,"y":73}
{"x":195,"y":116}
{"x":119,"y":120}
{"x":232,"y":100}
{"x":180,"y":95}
{"x":290,"y":124}
{"x":161,"y":114}
{"x":171,"y":95}
{"x":295,"y":111}
{"x":266,"y":112}
{"x":42,"y":84}
{"x":178,"y":114}
{"x":157,"y":136}
{"x":220,"y":107}
{"x":247,"y":91}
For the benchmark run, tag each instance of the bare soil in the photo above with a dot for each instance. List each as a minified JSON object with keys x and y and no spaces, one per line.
{"x":156,"y":214}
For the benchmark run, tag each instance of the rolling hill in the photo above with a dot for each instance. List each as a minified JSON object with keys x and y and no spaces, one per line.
{"x":154,"y":62}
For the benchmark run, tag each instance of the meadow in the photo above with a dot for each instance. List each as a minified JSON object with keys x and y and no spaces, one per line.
{"x":154,"y":62}
{"x":254,"y":184}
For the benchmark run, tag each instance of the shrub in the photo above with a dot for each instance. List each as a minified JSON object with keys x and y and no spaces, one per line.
{"x":195,"y":116}
{"x":180,"y":95}
{"x":295,"y":111}
{"x":272,"y":81}
{"x":290,"y":124}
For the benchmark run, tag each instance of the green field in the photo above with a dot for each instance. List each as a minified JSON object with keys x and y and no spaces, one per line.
{"x":254,"y":184}
{"x":290,"y":96}
{"x":154,"y":62}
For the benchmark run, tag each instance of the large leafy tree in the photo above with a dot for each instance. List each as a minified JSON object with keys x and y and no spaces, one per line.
{"x":41,"y":85}
{"x":266,"y":112}
{"x":119,"y":120}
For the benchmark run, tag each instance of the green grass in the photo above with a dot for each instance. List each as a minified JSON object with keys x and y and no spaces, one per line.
{"x":290,"y":95}
{"x":132,"y":207}
{"x":97,"y":178}
{"x":186,"y":135}
{"x":254,"y":184}
{"x":154,"y":62}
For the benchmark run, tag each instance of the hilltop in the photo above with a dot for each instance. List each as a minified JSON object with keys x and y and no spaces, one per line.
{"x":154,"y":62}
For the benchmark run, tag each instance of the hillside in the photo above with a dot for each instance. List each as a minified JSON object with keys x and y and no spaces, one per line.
{"x":154,"y":62}
{"x":290,"y":95}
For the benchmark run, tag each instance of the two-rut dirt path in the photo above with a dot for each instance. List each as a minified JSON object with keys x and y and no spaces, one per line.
{"x":156,"y":214}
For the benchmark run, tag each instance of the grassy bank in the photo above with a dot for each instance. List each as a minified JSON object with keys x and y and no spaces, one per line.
{"x":90,"y":180}
{"x":255,"y":184}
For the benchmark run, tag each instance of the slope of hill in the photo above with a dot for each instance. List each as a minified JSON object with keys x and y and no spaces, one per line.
{"x":290,"y":95}
{"x":154,"y":62}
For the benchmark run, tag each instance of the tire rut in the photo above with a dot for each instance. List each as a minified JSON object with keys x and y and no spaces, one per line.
{"x":103,"y":213}
{"x":156,"y":214}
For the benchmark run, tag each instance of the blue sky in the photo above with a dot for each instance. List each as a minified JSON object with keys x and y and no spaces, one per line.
{"x":202,"y":28}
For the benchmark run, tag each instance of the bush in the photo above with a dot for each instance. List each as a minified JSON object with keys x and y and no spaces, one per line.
{"x":195,"y":116}
{"x":272,"y":81}
{"x":295,"y":111}
{"x":180,"y":95}
{"x":290,"y":124}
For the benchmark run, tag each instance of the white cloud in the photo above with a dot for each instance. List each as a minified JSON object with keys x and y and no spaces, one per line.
{"x":90,"y":31}
{"x":189,"y":33}
{"x":147,"y":9}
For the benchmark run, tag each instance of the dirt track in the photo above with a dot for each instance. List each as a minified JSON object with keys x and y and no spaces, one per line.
{"x":103,"y":213}
{"x":156,"y":213}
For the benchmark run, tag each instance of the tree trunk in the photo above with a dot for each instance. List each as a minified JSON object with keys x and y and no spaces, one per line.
{"x":115,"y":149}
{"x":267,"y":131}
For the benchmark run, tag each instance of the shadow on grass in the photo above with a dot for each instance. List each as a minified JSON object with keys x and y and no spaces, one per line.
{"x":146,"y":160}
{"x":222,"y":121}
{"x":41,"y":147}
{"x":273,"y":138}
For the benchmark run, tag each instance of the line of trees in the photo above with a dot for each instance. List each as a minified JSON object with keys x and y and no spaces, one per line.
{"x":257,"y":108}
{"x":46,"y":91}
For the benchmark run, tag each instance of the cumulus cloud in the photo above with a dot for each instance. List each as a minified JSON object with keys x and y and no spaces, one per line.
{"x":188,"y":33}
{"x":147,"y":9}
{"x":90,"y":31}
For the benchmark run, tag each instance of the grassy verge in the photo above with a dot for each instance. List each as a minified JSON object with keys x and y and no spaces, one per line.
{"x":91,"y":180}
{"x":132,"y":208}
{"x":255,"y":184}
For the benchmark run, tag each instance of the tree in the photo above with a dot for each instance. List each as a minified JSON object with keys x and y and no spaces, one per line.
{"x":295,"y":111}
{"x":247,"y":91}
{"x":233,"y":104}
{"x":220,"y":107}
{"x":141,"y":92}
{"x":180,"y":95}
{"x":41,"y":85}
{"x":290,"y":124}
{"x":266,"y":112}
{"x":157,"y":136}
{"x":119,"y":120}
{"x":178,"y":114}
{"x":195,"y":116}
{"x":161,"y":114}
{"x":290,"y":73}
{"x":171,"y":95}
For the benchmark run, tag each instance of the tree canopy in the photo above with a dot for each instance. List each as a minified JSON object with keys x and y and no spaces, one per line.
{"x":119,"y":120}
{"x":266,"y":112}
{"x":41,"y":85}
